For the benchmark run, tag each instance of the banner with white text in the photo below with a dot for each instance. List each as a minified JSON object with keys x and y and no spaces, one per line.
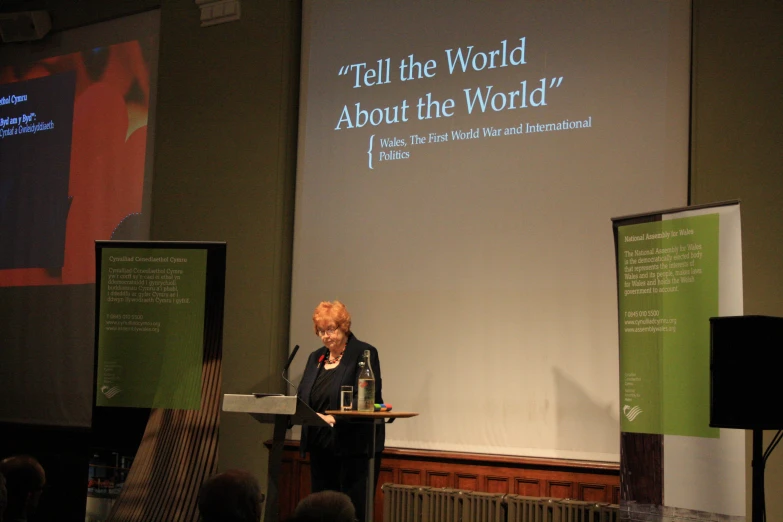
{"x":669,"y":274}
{"x":675,"y":271}
{"x":151,"y":327}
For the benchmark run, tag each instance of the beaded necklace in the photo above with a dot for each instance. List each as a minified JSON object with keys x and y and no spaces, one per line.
{"x":336,"y":359}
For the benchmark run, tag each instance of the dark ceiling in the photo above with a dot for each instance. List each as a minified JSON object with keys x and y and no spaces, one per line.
{"x":67,"y":14}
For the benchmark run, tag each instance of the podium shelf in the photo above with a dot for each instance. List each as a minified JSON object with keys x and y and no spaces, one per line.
{"x":372,"y":414}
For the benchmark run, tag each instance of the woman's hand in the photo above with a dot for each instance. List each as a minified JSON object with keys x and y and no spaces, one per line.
{"x":328,"y":418}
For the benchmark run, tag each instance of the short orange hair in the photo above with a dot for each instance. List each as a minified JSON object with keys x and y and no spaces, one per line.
{"x":328,"y":313}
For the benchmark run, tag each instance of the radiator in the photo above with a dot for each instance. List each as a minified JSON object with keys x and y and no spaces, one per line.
{"x":532,"y":509}
{"x":403,"y":503}
{"x":425,"y":504}
{"x":576,"y":511}
{"x":536,"y":509}
{"x":607,"y":512}
{"x":484,"y":507}
{"x":443,"y":505}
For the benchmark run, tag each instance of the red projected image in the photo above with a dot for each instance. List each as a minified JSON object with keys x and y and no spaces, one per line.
{"x":72,"y":157}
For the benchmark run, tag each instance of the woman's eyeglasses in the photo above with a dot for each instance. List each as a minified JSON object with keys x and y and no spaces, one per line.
{"x":328,"y":331}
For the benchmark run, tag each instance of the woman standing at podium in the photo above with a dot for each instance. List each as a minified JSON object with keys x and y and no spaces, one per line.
{"x":339,"y":453}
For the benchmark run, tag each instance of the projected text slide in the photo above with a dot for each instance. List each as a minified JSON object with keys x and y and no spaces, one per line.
{"x":36,"y":118}
{"x":73,"y":147}
{"x":479,"y":99}
{"x":467,"y":63}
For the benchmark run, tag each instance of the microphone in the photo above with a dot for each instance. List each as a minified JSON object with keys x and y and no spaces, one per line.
{"x":285,"y":368}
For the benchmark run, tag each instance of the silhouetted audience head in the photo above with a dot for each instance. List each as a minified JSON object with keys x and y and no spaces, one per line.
{"x":231,"y":496}
{"x":24,"y":482}
{"x":325,"y":506}
{"x":3,"y":496}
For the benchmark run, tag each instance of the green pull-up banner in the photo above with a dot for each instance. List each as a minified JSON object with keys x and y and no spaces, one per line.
{"x":151,"y":327}
{"x":668,"y":291}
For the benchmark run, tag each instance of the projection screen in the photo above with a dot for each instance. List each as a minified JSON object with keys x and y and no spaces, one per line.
{"x":77,"y":114}
{"x":459,"y":163}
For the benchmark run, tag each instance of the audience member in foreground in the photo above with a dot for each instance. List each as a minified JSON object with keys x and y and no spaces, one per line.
{"x":24,"y":482}
{"x":231,"y":496}
{"x":325,"y":506}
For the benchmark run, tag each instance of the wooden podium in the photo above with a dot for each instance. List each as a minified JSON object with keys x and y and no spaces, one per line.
{"x":374,"y":417}
{"x":283,"y":411}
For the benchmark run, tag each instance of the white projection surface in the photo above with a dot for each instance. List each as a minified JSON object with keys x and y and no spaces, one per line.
{"x":459,"y":163}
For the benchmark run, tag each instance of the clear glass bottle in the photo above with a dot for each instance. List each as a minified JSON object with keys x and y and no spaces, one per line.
{"x":366,"y":395}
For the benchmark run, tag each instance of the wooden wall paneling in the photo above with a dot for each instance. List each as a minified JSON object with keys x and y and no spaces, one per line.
{"x":527,"y":487}
{"x":560,"y":489}
{"x":410,"y":477}
{"x":386,"y":475}
{"x":378,"y":504}
{"x":593,"y":492}
{"x":438,"y":479}
{"x":496,"y":484}
{"x":467,"y":481}
{"x":589,"y":481}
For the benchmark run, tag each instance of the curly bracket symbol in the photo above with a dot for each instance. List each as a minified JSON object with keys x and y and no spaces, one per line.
{"x":369,"y":152}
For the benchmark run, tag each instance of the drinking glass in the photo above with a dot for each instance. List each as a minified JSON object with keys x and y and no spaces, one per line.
{"x":346,"y":398}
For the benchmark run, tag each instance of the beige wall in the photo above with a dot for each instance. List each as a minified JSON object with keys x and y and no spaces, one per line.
{"x":224,"y":170}
{"x":737,"y":152}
